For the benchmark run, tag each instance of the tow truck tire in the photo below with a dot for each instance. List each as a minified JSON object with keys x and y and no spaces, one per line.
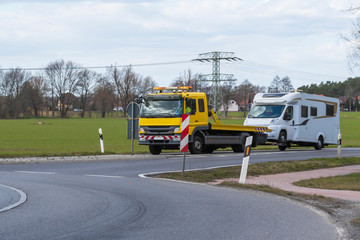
{"x":196,"y":147}
{"x":237,"y":148}
{"x":208,"y":149}
{"x":319,"y":144}
{"x":282,"y":141}
{"x":155,"y":150}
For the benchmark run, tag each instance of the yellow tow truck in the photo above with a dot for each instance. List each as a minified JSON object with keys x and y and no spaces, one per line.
{"x":160,"y":120}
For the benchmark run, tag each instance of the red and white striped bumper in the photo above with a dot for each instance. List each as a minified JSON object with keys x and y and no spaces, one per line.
{"x":261,"y":129}
{"x":175,"y":138}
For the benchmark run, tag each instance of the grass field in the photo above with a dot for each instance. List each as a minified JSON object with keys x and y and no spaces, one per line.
{"x":266,"y":168}
{"x":348,"y":182}
{"x":64,"y":137}
{"x":76,"y":136}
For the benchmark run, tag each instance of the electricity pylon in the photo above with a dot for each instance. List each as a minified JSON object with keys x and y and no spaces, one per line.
{"x":216,"y":98}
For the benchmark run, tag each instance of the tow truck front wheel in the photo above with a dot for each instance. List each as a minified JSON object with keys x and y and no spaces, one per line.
{"x":155,"y":150}
{"x":196,"y":147}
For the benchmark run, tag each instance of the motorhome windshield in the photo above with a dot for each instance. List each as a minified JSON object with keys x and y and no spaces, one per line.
{"x":161,"y":108}
{"x":266,"y":111}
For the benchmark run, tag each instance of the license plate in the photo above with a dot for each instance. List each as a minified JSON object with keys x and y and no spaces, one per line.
{"x":158,"y":138}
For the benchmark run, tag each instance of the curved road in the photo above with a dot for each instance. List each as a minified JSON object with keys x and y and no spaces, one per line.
{"x":107,"y":200}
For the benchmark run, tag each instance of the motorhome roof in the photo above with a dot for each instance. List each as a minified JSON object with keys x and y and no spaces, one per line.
{"x":282,"y":98}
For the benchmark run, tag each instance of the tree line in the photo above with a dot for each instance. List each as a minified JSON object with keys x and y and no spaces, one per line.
{"x":64,"y":85}
{"x":347,"y":91}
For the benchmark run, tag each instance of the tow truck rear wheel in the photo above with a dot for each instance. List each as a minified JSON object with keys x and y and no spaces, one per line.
{"x":208,"y":149}
{"x":238,"y":148}
{"x":155,"y":150}
{"x":196,"y":147}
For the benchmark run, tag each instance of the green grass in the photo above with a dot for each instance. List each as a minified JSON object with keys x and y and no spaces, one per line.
{"x":262,"y":169}
{"x":347,"y":182}
{"x":78,"y":136}
{"x":350,"y":128}
{"x":74,"y":136}
{"x":356,"y":221}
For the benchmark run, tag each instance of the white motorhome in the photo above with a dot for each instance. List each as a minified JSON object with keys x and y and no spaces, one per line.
{"x":296,"y":117}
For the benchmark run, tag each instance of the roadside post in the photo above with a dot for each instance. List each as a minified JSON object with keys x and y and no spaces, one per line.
{"x":132,"y":111}
{"x":184,"y":138}
{"x":246,"y":158}
{"x":101,"y":140}
{"x":339,"y":146}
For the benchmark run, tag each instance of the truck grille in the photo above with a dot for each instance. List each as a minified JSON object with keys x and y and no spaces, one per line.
{"x":159,"y":130}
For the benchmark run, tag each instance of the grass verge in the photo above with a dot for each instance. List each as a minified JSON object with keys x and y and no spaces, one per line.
{"x":356,"y":221}
{"x":348,"y":182}
{"x":262,"y":169}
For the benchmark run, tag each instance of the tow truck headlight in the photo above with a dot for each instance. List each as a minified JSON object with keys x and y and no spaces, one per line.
{"x":177,"y":129}
{"x":142,"y":129}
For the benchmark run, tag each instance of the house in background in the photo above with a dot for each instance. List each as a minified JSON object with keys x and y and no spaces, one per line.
{"x":66,"y":101}
{"x":233,"y":106}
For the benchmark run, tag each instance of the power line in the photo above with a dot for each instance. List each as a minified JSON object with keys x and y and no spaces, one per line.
{"x":216,"y":99}
{"x":253,"y":67}
{"x":104,"y":67}
{"x":244,"y":66}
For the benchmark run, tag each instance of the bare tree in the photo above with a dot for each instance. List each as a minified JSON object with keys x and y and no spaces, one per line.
{"x":128,"y":84}
{"x":286,"y":85}
{"x":244,"y":94}
{"x":227,"y":91}
{"x":145,"y":85}
{"x":62,"y":77}
{"x":189,"y":79}
{"x":85,"y":85}
{"x":11,"y":88}
{"x":33,"y":95}
{"x":104,"y":96}
{"x":275,"y":85}
{"x":2,"y":97}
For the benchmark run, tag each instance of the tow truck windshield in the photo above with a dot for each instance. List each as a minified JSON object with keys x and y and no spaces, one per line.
{"x":161,"y":108}
{"x":266,"y":111}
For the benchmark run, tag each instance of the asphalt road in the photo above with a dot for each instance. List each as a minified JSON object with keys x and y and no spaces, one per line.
{"x":108,"y":200}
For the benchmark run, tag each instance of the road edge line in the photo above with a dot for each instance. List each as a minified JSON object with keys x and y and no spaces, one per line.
{"x":23,"y":198}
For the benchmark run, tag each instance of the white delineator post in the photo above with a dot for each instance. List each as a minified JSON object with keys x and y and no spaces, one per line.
{"x":245,"y":163}
{"x":339,"y":146}
{"x":101,"y":141}
{"x":184,"y":138}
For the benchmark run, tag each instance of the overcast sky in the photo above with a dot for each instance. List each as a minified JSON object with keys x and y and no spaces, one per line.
{"x":295,"y":38}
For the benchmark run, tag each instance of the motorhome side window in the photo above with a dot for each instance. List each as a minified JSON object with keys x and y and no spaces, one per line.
{"x":330,"y":110}
{"x":304,"y":111}
{"x":313,"y":111}
{"x":288,"y":115}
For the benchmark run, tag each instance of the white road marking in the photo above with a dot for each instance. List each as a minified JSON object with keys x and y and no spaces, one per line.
{"x":21,"y":200}
{"x":46,"y":173}
{"x":103,"y":176}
